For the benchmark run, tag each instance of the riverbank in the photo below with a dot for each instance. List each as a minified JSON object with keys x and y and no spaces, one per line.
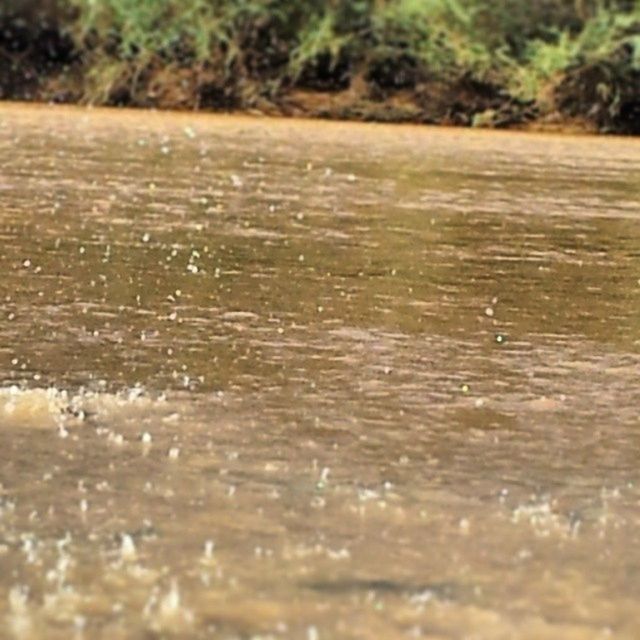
{"x":439,"y":62}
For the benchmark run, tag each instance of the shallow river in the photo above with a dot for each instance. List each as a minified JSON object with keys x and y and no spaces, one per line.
{"x":279,"y":379}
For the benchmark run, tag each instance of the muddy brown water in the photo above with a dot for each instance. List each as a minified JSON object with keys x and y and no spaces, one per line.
{"x":279,"y":379}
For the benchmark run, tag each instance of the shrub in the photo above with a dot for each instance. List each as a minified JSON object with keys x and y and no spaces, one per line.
{"x":545,"y":51}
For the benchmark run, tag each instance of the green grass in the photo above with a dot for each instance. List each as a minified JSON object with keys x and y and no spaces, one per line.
{"x":442,"y":36}
{"x":602,"y":37}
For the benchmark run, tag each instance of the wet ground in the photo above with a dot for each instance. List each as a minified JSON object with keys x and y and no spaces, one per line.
{"x":279,"y":379}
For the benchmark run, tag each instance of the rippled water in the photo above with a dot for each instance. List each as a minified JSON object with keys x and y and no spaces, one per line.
{"x":279,"y":379}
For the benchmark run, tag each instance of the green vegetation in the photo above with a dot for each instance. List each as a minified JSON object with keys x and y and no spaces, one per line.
{"x":457,"y":61}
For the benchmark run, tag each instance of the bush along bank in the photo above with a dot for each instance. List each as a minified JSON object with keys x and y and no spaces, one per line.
{"x":465,"y":62}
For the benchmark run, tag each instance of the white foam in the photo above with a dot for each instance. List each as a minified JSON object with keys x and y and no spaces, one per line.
{"x":32,"y":407}
{"x":55,"y":408}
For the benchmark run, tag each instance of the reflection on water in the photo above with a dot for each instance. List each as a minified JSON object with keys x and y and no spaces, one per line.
{"x":277,"y":379}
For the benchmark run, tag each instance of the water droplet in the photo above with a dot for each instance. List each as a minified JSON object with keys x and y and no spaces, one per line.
{"x":127,"y":547}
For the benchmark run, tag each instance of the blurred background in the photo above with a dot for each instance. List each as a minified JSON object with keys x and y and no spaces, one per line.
{"x":467,"y":62}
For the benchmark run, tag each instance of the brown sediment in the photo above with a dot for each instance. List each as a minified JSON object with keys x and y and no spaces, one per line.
{"x":172,"y":87}
{"x":175,"y":87}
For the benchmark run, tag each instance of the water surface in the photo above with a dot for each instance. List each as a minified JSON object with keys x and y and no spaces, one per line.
{"x":280,"y":379}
